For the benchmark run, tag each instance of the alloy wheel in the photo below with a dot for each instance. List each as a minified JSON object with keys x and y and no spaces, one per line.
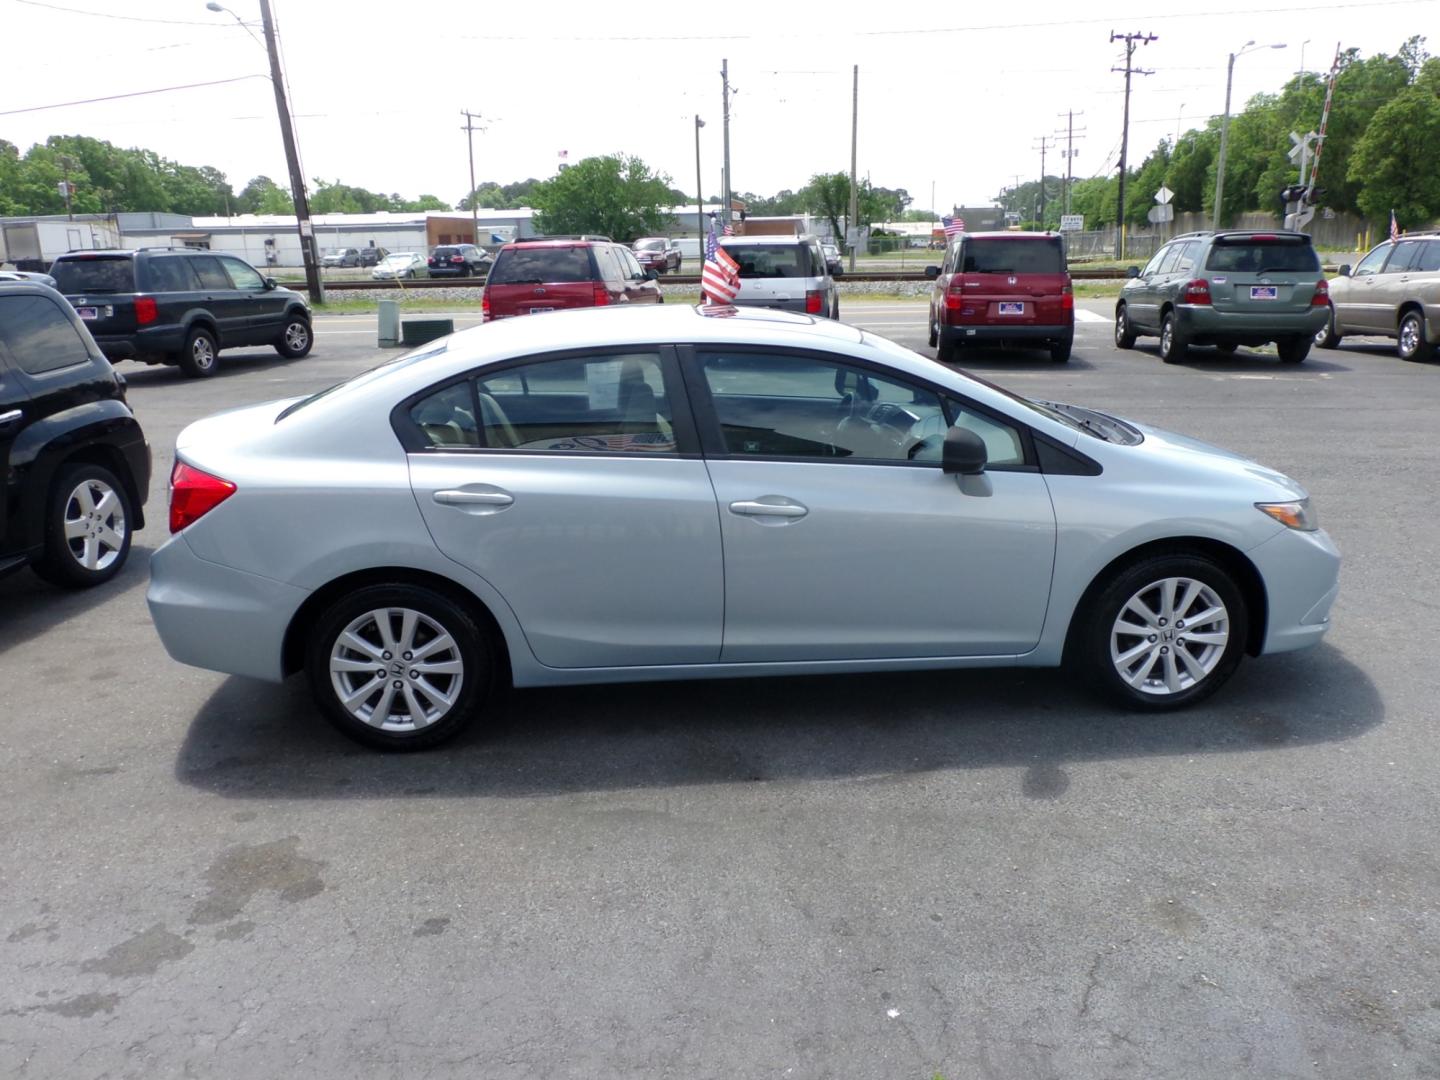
{"x":202,"y":352}
{"x":396,"y":669}
{"x":94,"y":525}
{"x":1409,"y":336}
{"x":297,"y":335}
{"x":1169,"y":636}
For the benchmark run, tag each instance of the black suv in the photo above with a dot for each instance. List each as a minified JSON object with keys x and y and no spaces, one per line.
{"x":459,"y":260}
{"x":74,"y":464}
{"x":172,"y":306}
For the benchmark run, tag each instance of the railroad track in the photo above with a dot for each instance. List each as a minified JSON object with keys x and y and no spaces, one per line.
{"x":368,"y":284}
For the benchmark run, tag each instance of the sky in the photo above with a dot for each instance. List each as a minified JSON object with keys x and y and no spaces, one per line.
{"x":954,"y":99}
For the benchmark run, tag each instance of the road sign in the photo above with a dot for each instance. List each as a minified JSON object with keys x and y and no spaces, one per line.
{"x":1159,"y":215}
{"x":1072,"y":222}
{"x":1163,"y":196}
{"x":1300,"y":146}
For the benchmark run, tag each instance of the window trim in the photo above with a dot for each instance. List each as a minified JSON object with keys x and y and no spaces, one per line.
{"x":682,"y":419}
{"x":712,"y":437}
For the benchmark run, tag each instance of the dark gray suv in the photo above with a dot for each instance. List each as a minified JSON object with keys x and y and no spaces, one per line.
{"x":176,"y":306}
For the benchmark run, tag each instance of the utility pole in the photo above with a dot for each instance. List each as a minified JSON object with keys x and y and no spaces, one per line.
{"x":699,"y":198}
{"x":1131,"y":40}
{"x":1069,"y":152}
{"x":726,"y":212}
{"x":470,"y":130}
{"x":1045,"y":141}
{"x":313,"y":283}
{"x":854,"y":146}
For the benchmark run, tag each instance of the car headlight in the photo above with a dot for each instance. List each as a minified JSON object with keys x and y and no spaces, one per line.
{"x":1293,"y":515}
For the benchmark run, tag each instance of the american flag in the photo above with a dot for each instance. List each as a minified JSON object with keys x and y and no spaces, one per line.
{"x":1394,"y":227}
{"x":954,"y":226}
{"x":720,"y":278}
{"x":729,"y":230}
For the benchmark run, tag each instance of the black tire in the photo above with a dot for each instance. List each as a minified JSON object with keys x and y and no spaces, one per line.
{"x":75,"y":535}
{"x":1098,"y":633}
{"x":471,"y":646}
{"x":934,"y":334}
{"x":947,"y":351}
{"x":1174,"y":345}
{"x":1060,"y":350}
{"x":1292,"y":350}
{"x":200,"y":356}
{"x":1326,"y":337}
{"x":1124,"y":332}
{"x":835,"y":309}
{"x":1411,"y":342}
{"x":296,"y":338}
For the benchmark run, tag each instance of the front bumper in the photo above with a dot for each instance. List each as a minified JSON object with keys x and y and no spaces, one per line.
{"x":1301,"y":574}
{"x":1204,"y":325}
{"x":211,"y":616}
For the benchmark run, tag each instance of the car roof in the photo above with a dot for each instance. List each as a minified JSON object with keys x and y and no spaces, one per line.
{"x":802,"y":238}
{"x":1002,"y":234}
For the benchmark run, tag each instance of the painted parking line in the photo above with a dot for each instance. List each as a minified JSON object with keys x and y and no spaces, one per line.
{"x":1081,"y":315}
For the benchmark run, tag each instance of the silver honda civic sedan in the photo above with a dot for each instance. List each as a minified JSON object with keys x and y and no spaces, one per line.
{"x":678,"y":493}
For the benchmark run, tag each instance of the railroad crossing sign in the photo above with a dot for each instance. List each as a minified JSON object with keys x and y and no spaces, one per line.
{"x":1163,"y":197}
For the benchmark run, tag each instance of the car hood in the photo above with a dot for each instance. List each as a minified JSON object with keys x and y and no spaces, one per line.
{"x":1192,"y":456}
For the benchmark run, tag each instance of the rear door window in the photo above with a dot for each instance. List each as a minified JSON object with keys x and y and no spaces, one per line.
{"x":211,"y":274}
{"x":1251,"y":255}
{"x":559,"y":265}
{"x":1003,"y":255}
{"x":107,"y":274}
{"x":1429,"y":260}
{"x":170,"y":274}
{"x":38,"y":335}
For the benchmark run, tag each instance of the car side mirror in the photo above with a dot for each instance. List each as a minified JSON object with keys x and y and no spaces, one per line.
{"x":964,"y":452}
{"x":932,"y":272}
{"x":1132,"y":271}
{"x":271,"y":283}
{"x":1344,"y":270}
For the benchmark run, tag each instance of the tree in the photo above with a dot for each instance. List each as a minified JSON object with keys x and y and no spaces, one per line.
{"x":616,"y":195}
{"x":424,"y":202}
{"x":499,"y":196}
{"x":263,"y":196}
{"x":828,"y":195}
{"x":1392,"y":158}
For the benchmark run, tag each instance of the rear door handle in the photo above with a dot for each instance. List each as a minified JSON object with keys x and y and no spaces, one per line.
{"x":475,"y":501}
{"x":756,"y":508}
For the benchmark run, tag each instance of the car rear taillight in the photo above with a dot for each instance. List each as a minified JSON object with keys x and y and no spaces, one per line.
{"x":146,"y":310}
{"x":1322,"y":294}
{"x":1197,"y":292}
{"x":193,"y":494}
{"x":955,"y":294}
{"x":1067,"y":298}
{"x":457,"y":258}
{"x":812,"y":302}
{"x":485,"y":305}
{"x":602,"y":296}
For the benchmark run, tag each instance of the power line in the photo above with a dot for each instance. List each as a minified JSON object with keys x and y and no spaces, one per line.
{"x":110,"y":15}
{"x":137,"y":93}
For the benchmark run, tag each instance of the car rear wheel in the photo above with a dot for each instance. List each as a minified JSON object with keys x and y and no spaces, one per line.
{"x":1124,"y":332}
{"x":1165,"y":632}
{"x":295,"y":339}
{"x":198,"y":359}
{"x":399,"y":667}
{"x":1326,"y":337}
{"x":1411,"y":343}
{"x":1293,"y":350}
{"x":87,"y":527}
{"x":1174,"y":345}
{"x":835,"y":308}
{"x":1060,"y":351}
{"x":934,"y":334}
{"x":948,"y":351}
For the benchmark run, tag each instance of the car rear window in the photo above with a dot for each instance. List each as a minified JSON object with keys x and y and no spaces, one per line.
{"x":445,"y":252}
{"x":105,"y":274}
{"x":1002,"y":255}
{"x":1248,"y":255}
{"x":649,"y":245}
{"x":556,"y":265}
{"x":772,"y":260}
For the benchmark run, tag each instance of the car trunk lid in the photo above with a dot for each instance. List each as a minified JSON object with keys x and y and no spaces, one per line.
{"x":533,"y":281}
{"x":1254,"y":274}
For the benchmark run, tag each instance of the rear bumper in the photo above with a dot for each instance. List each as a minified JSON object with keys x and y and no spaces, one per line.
{"x":1006,"y":332}
{"x":453,"y":271}
{"x":1205,"y":325}
{"x":155,"y":341}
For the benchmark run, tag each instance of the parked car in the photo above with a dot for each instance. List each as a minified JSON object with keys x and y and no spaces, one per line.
{"x":372,"y":256}
{"x":833,"y":261}
{"x":74,"y":464}
{"x":458,"y":260}
{"x":175,"y":306}
{"x":1226,"y":289}
{"x":1394,"y":292}
{"x":341,"y":257}
{"x":27,"y":275}
{"x":401,"y":266}
{"x":657,"y":253}
{"x":545,"y":274}
{"x":1002,"y":288}
{"x":787,"y":273}
{"x":685,"y":493}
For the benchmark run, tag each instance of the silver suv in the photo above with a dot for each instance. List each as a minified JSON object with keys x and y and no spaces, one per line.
{"x":1394,"y":292}
{"x":785,"y":272}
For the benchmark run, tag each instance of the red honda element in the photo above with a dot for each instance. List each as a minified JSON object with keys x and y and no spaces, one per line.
{"x":552,"y":273}
{"x":1002,"y":288}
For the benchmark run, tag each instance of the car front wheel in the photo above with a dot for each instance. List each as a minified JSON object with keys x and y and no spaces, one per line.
{"x":87,"y":527}
{"x":1124,"y":332}
{"x":295,"y":339}
{"x":399,"y":667}
{"x":1166,"y":632}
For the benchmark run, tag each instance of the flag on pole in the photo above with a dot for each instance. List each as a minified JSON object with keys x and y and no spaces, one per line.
{"x":729,"y":230}
{"x":564,"y":154}
{"x":954,"y":226}
{"x":720,"y":277}
{"x":1394,"y":227}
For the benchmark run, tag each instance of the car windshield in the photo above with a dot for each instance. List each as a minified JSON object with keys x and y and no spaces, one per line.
{"x":115,"y":274}
{"x":1004,"y":255}
{"x":649,"y":245}
{"x":771,"y":260}
{"x":1252,"y":255}
{"x":550,"y":265}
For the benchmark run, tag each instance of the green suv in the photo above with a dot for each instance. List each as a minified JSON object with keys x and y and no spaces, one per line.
{"x":1226,"y":289}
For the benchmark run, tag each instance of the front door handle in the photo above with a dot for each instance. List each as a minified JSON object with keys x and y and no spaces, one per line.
{"x":474,"y":501}
{"x":8,"y":418}
{"x":756,"y":508}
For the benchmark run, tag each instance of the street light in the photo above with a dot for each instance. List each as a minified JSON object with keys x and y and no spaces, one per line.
{"x":313,"y":283}
{"x":699,"y":198}
{"x":1249,"y":46}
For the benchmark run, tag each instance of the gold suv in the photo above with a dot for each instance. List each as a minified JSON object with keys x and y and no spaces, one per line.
{"x":1394,"y":292}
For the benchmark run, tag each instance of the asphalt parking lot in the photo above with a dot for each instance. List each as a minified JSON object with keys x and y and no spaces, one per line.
{"x":972,"y":874}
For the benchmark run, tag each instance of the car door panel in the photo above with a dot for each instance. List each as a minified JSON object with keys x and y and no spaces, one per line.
{"x":259,"y":311}
{"x":14,"y":402}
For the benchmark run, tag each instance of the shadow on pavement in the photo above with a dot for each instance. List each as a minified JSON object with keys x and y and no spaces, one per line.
{"x":259,"y":740}
{"x":29,"y":606}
